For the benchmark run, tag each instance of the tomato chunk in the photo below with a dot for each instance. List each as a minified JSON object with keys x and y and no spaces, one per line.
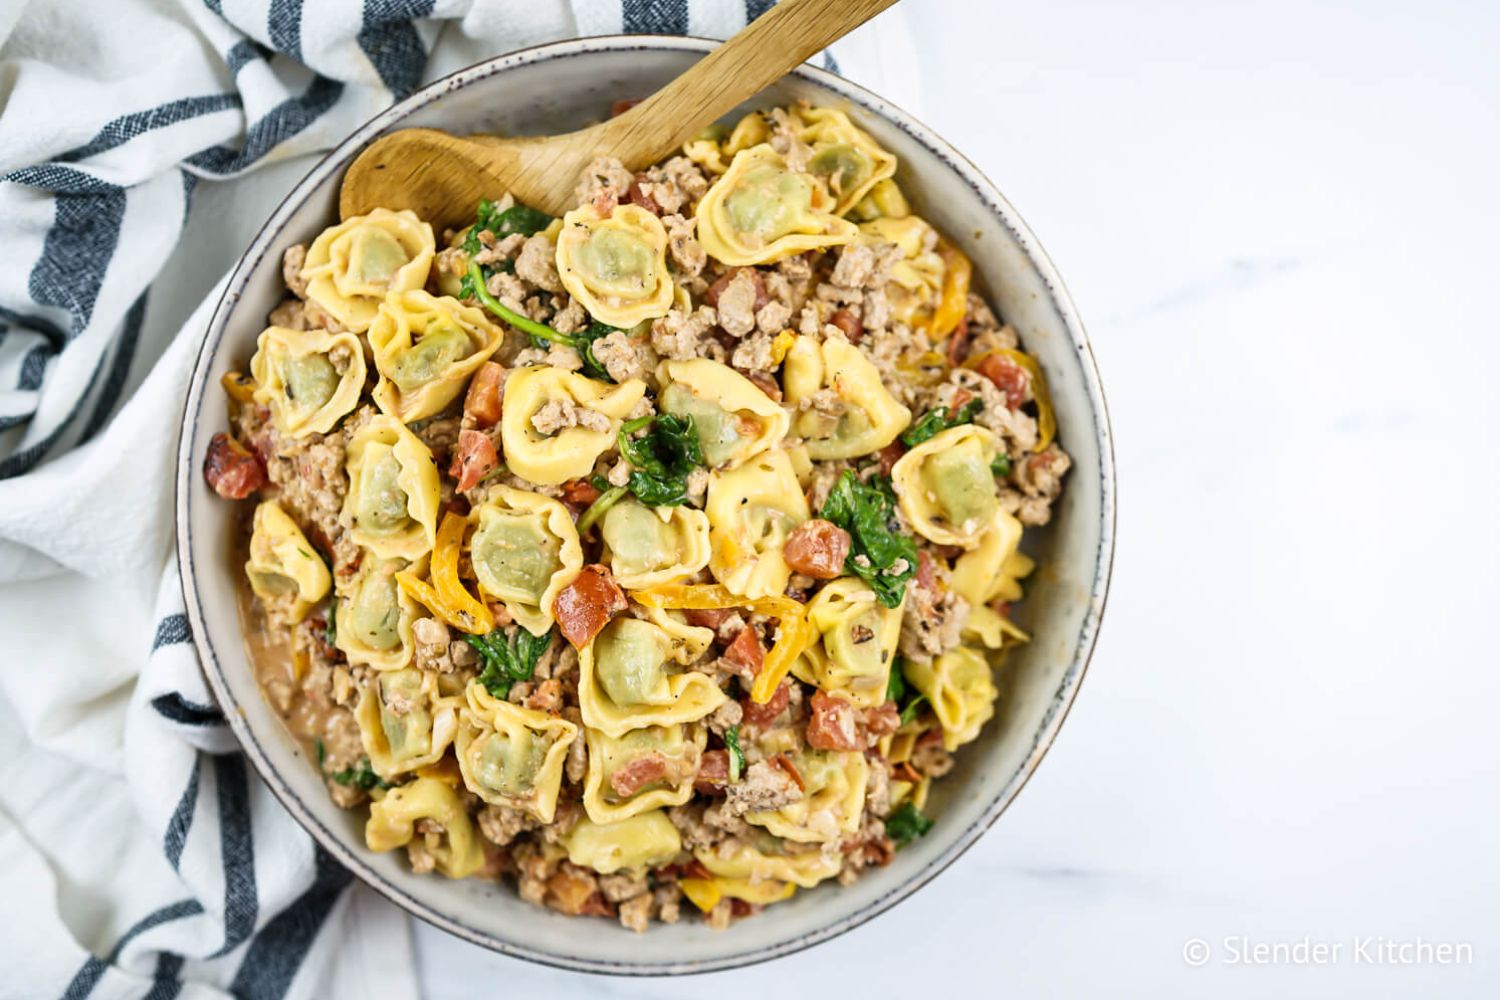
{"x":473,"y":459}
{"x":482,"y":403}
{"x":817,"y":548}
{"x":833,"y":725}
{"x":1009,"y":377}
{"x":232,"y":470}
{"x":761,"y":716}
{"x":746,"y":652}
{"x":587,"y":604}
{"x":637,"y":774}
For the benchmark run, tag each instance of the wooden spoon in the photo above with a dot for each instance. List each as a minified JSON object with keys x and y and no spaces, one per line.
{"x":441,"y":177}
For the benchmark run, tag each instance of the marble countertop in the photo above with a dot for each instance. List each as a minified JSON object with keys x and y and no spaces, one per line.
{"x":1274,"y":218}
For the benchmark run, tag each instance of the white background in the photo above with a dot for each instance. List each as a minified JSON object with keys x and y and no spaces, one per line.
{"x":1278,"y":222}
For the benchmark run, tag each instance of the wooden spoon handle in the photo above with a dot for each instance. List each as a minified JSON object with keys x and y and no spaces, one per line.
{"x":765,"y":51}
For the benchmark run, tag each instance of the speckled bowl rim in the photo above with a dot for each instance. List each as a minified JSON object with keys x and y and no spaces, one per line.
{"x":1061,"y":702}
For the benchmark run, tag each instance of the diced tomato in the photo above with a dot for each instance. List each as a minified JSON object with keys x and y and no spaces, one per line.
{"x":849,"y":323}
{"x":958,"y":343}
{"x":637,"y":196}
{"x":713,"y":772}
{"x":579,"y":493}
{"x":889,"y":456}
{"x":1009,"y":377}
{"x":707,"y":617}
{"x":926,"y":571}
{"x":882,"y":719}
{"x":817,"y":548}
{"x":746,"y":652}
{"x":473,"y":459}
{"x":761,"y":716}
{"x":761,"y":298}
{"x":631,"y":777}
{"x":833,"y":725}
{"x":482,"y":403}
{"x":232,"y":470}
{"x":587,"y":604}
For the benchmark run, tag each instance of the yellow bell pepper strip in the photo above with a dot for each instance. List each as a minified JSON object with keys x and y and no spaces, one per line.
{"x":703,"y":893}
{"x":446,"y":596}
{"x":238,"y":386}
{"x":1046,"y":417}
{"x":783,"y":343}
{"x":957,"y":275}
{"x":796,"y":634}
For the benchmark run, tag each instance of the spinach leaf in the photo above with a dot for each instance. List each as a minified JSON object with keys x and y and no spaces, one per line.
{"x":585,"y":345}
{"x":1001,"y":465}
{"x":907,"y":699}
{"x":662,"y":458}
{"x":518,"y":218}
{"x":331,"y":624}
{"x":508,"y":659}
{"x":736,"y":754}
{"x":935,"y":421}
{"x":361,"y":777}
{"x":906,"y":824}
{"x":867,"y":510}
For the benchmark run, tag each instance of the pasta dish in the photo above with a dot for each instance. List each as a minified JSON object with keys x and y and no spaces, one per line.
{"x":656,"y":559}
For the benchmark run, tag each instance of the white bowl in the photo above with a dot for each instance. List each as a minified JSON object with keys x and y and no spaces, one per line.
{"x":565,"y":85}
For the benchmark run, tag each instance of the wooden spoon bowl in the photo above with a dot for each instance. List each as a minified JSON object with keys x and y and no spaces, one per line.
{"x":441,"y":177}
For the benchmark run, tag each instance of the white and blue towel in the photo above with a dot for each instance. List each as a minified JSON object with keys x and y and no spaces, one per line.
{"x":141,"y":856}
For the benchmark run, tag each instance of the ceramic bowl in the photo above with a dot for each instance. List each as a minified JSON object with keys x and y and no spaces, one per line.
{"x":561,"y":86}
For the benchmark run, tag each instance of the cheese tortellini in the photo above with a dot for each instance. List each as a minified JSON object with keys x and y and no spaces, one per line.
{"x":871,"y":416}
{"x":426,"y":347}
{"x":859,"y":638}
{"x":525,"y":550}
{"x":762,"y":211}
{"x":310,"y":379}
{"x":734,"y":419}
{"x":405,"y":721}
{"x":457,"y":850}
{"x":844,"y":157}
{"x":373,"y":615}
{"x":615,"y":267}
{"x":917,"y":278}
{"x":647,"y":546}
{"x":714,"y":151}
{"x":283,"y":566}
{"x":946,"y":486}
{"x":752,"y":510}
{"x":350,"y":267}
{"x":643,"y":841}
{"x":992,"y":571}
{"x":961,"y":690}
{"x":394,"y":493}
{"x":740,"y":860}
{"x":512,"y":756}
{"x":556,"y":424}
{"x":633,"y":675}
{"x":833,"y":802}
{"x":644,"y":769}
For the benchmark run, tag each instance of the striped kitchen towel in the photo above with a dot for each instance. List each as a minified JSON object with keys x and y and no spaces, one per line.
{"x":142,"y":858}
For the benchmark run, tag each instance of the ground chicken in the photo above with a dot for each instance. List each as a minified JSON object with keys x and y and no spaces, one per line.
{"x":537,"y":264}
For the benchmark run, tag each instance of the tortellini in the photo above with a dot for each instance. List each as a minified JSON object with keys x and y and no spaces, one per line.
{"x":308,"y":378}
{"x":373,"y":615}
{"x":714,"y":155}
{"x":647,"y":546}
{"x":394,"y":493}
{"x":636,"y":844}
{"x":916,"y":283}
{"x":524,"y":550}
{"x":556,"y":424}
{"x":961,"y":690}
{"x":946,"y":487}
{"x":990,"y":572}
{"x":512,"y":756}
{"x":405,"y":721}
{"x":844,"y":156}
{"x":738,"y":860}
{"x":859,"y":639}
{"x":833,"y":800}
{"x":644,"y":769}
{"x":734,"y":419}
{"x":871,"y":416}
{"x":282,"y":564}
{"x":752,"y":510}
{"x":761,"y":211}
{"x":632,"y":675}
{"x":456,"y":851}
{"x":351,"y":267}
{"x":426,"y":348}
{"x":615,"y":266}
